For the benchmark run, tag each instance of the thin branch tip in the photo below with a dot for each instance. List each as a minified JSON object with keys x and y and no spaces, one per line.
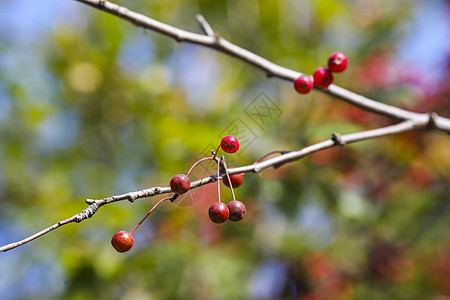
{"x":204,"y":25}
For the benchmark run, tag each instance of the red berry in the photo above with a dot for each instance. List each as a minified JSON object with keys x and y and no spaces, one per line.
{"x":323,"y":78}
{"x":236,"y":180}
{"x":180,"y":184}
{"x":122,"y":241}
{"x":304,"y":84}
{"x":218,"y":212}
{"x":229,"y":144}
{"x":337,"y":62}
{"x":237,"y":210}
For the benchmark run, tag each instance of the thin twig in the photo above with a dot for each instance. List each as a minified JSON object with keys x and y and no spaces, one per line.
{"x":270,"y":68}
{"x":287,"y":157}
{"x":204,"y":25}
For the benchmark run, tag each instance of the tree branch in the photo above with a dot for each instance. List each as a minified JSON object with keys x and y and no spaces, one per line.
{"x":410,"y":120}
{"x":276,"y":162}
{"x":271,"y":69}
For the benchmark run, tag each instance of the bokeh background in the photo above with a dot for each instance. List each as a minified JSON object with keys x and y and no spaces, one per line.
{"x":91,"y":106}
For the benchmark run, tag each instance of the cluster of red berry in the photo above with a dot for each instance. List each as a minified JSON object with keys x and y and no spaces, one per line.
{"x":218,"y":212}
{"x":323,"y":77}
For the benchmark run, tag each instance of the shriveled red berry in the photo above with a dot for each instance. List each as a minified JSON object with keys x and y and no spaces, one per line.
{"x":337,"y":62}
{"x":304,"y":84}
{"x":180,"y":184}
{"x":122,"y":241}
{"x":229,"y":144}
{"x":218,"y":212}
{"x":236,"y":180}
{"x":323,"y":78}
{"x":237,"y":210}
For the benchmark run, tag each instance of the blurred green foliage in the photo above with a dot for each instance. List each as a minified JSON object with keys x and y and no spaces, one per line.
{"x":97,"y":107}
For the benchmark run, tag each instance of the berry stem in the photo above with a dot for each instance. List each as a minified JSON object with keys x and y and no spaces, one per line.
{"x":218,"y":180}
{"x":149,"y":212}
{"x":229,"y":179}
{"x":215,"y":153}
{"x":203,"y":159}
{"x":269,"y":154}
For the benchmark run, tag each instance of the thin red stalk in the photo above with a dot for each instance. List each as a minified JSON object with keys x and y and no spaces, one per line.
{"x":218,"y":181}
{"x":215,"y":153}
{"x":267,"y":155}
{"x":149,"y":212}
{"x":229,"y":179}
{"x":203,"y":159}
